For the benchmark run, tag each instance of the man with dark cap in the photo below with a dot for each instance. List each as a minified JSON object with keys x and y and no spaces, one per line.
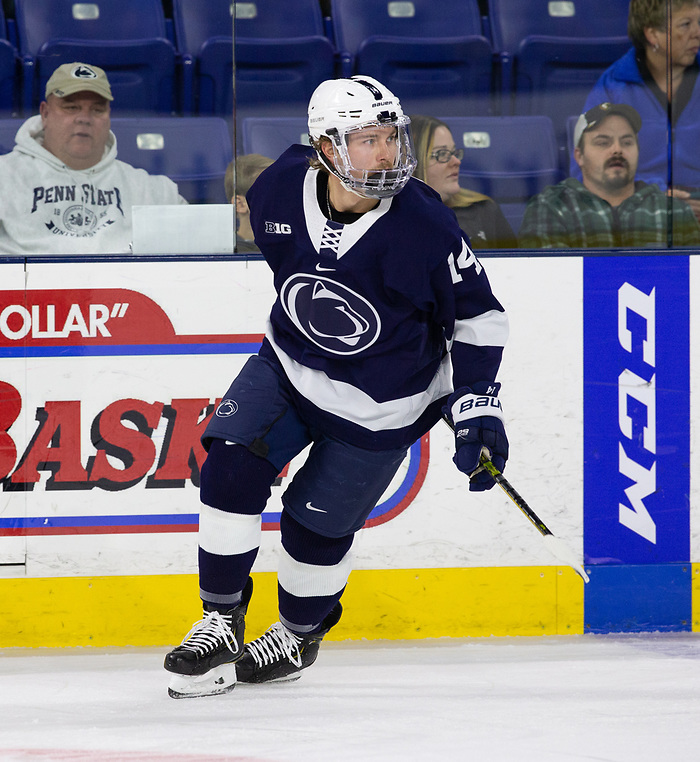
{"x":609,"y":208}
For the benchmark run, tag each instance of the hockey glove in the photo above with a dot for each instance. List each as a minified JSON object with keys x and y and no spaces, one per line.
{"x":477,"y":418}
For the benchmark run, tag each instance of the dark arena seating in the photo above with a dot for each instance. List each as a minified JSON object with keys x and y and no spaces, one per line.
{"x":508,"y":76}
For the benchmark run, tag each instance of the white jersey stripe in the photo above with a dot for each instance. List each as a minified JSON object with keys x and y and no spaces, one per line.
{"x":346,"y":401}
{"x":489,"y":329}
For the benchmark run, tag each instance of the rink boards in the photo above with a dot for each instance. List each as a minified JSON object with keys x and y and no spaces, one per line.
{"x":109,"y":372}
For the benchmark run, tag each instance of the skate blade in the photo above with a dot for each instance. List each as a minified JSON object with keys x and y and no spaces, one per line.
{"x":286,"y":679}
{"x":221,"y":679}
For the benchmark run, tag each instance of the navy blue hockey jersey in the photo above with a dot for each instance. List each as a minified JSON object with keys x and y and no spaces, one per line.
{"x":376,"y":321}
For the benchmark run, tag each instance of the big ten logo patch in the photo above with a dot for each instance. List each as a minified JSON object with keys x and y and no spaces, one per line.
{"x":278,"y":228}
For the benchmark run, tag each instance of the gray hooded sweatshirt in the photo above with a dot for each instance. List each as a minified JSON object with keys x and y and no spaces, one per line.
{"x":48,"y":208}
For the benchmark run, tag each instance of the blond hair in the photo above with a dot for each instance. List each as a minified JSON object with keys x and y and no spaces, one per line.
{"x":248,"y":166}
{"x":423,"y":135}
{"x":314,"y":161}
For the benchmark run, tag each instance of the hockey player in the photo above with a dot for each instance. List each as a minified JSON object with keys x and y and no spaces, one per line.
{"x":383,"y":317}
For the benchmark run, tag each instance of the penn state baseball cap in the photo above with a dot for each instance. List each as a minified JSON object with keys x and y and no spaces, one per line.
{"x":595,"y":115}
{"x":76,"y":78}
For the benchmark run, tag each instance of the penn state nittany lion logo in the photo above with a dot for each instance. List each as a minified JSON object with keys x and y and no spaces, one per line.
{"x":329,"y":314}
{"x":82,"y":71}
{"x":79,"y":219}
{"x":227,"y":408}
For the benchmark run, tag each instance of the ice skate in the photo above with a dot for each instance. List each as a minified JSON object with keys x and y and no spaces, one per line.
{"x":280,"y":655}
{"x":203,"y":664}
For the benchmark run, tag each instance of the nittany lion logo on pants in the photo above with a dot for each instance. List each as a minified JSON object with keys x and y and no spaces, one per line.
{"x":227,"y":408}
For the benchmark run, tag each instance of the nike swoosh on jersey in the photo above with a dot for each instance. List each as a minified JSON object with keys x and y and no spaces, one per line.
{"x":311,"y":508}
{"x":323,"y":269}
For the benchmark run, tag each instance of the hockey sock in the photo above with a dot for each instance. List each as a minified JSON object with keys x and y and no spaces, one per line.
{"x":235,"y":485}
{"x":312,"y":575}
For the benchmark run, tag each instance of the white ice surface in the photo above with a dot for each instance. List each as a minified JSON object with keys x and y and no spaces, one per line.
{"x":612,"y":698}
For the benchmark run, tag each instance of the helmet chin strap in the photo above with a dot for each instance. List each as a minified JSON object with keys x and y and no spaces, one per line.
{"x":352,"y":190}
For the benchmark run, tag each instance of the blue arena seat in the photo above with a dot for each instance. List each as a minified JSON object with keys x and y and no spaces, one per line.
{"x":552,"y":53}
{"x":8,"y":130}
{"x":510,"y":158}
{"x":9,"y":72}
{"x":432,"y":55}
{"x":126,"y":38}
{"x":271,"y":136}
{"x":192,"y":151}
{"x":281,"y":54}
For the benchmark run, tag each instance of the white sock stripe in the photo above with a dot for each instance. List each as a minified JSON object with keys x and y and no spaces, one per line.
{"x":228,"y":534}
{"x":351,"y":403}
{"x":308,"y":580}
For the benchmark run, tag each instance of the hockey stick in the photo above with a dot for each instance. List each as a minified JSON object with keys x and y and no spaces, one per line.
{"x":557,"y":547}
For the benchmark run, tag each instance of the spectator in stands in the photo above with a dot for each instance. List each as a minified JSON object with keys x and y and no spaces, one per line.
{"x":657,"y":76}
{"x":248,"y":167}
{"x":62,"y":189}
{"x":609,"y":208}
{"x":438,"y":165}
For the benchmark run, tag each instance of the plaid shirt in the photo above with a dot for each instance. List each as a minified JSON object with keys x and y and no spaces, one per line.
{"x":567,"y":215}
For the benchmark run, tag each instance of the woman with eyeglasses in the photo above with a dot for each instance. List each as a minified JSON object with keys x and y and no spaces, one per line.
{"x":438,"y":165}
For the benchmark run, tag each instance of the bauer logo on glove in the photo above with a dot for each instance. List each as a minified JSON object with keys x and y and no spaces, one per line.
{"x":473,"y":403}
{"x":477,"y":418}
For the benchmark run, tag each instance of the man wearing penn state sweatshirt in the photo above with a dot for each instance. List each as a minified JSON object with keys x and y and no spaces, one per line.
{"x":62,"y":188}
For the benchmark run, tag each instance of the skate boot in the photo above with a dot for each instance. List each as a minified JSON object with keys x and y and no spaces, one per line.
{"x":203,"y":664}
{"x":280,"y":655}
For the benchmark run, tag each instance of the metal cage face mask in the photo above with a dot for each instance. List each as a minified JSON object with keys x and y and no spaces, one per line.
{"x":377,"y":183}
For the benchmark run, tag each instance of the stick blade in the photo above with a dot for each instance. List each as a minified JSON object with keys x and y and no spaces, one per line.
{"x":560,"y":550}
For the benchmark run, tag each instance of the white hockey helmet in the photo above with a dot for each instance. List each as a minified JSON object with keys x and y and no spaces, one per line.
{"x":339,"y":107}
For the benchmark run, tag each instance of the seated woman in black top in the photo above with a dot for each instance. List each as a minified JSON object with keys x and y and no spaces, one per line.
{"x":438,"y":165}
